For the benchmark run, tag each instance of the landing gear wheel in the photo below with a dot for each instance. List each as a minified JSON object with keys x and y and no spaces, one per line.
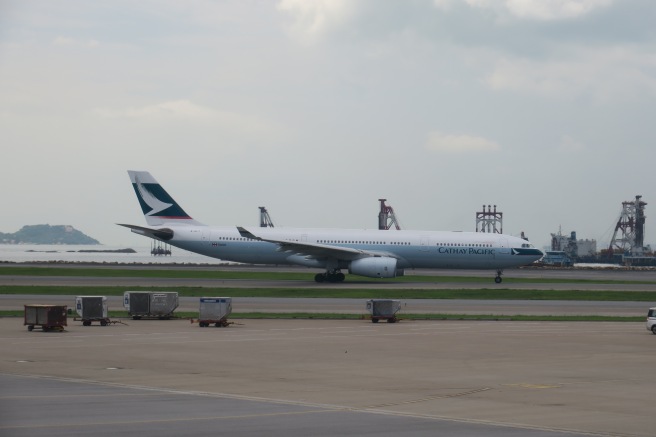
{"x":330,"y":276}
{"x":498,"y":279}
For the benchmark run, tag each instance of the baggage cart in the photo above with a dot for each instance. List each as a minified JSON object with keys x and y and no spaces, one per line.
{"x":383,"y":309}
{"x":152,"y":304}
{"x":48,"y":317}
{"x":92,"y":309}
{"x":214,"y":311}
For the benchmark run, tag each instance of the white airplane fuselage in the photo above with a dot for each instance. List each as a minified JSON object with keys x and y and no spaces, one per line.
{"x":371,"y":253}
{"x":412,"y":249}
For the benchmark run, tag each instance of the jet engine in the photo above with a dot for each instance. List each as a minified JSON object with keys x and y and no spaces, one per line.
{"x":374,"y":267}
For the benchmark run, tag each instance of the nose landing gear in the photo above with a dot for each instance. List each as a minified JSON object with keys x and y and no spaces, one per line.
{"x":498,"y":279}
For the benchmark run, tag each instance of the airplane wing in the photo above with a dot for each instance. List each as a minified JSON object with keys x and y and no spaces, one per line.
{"x":162,"y":234}
{"x":313,"y":250}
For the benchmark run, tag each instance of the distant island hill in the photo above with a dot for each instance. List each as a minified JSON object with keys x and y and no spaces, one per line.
{"x":58,"y":234}
{"x":46,"y":234}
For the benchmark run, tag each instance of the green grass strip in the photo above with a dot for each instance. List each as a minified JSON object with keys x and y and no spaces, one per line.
{"x":336,"y":293}
{"x":190,"y":273}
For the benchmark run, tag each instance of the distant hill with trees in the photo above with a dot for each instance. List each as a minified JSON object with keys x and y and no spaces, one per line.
{"x":46,"y":234}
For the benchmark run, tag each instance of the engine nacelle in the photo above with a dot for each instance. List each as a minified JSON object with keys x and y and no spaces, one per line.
{"x":374,"y":267}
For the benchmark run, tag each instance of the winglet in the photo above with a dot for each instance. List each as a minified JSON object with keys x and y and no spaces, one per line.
{"x":247,"y":234}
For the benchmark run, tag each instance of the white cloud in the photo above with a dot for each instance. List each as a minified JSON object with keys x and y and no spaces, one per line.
{"x":177,"y":109}
{"x":546,"y":10}
{"x":450,"y":143}
{"x":72,"y":42}
{"x":601,"y":73}
{"x":186,"y":112}
{"x":569,"y":145}
{"x":541,"y":10}
{"x":312,"y":19}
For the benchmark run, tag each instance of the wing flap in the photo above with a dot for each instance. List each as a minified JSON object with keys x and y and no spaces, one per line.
{"x":311,"y":250}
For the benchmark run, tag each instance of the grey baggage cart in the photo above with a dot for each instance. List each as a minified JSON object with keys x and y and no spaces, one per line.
{"x":214,"y":311}
{"x":92,"y":309}
{"x":48,"y":317}
{"x":158,"y":304}
{"x":383,"y":309}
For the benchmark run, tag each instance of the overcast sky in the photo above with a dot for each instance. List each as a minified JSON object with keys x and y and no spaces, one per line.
{"x":316,"y":109}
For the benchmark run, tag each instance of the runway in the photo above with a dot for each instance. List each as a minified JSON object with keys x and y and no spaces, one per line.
{"x":531,"y":279}
{"x":538,"y":279}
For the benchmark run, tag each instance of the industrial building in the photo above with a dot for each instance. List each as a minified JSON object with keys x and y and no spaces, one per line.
{"x":626,"y":247}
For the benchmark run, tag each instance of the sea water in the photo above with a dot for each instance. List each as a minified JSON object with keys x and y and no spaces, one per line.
{"x":63,"y":253}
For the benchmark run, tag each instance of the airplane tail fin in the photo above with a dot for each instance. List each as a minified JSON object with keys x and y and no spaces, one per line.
{"x":157,"y":205}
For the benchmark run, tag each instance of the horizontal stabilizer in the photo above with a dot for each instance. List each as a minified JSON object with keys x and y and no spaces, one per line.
{"x":160,"y":234}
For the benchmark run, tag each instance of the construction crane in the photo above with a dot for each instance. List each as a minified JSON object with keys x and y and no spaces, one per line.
{"x":265,"y":219}
{"x":386,"y":217}
{"x":629,"y":232}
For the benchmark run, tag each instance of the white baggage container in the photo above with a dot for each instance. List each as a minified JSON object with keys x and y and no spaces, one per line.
{"x":92,"y":308}
{"x":214,"y":310}
{"x":383,"y":309}
{"x":160,"y":304}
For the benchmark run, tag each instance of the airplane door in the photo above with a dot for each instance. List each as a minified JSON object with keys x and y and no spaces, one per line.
{"x":205,"y":237}
{"x":424,"y":244}
{"x":505,"y":247}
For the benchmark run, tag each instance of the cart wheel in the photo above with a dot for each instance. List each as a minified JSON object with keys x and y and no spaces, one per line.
{"x":30,"y":327}
{"x":391,"y":320}
{"x":218,"y":324}
{"x":374,"y":320}
{"x":103,"y":323}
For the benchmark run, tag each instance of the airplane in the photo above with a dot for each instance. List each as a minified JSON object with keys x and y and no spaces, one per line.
{"x":372,"y":253}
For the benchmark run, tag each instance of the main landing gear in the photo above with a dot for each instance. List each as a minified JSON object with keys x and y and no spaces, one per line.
{"x":330,"y":276}
{"x":498,"y":278}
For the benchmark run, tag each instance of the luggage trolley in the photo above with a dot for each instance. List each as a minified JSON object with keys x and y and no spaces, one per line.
{"x":49,"y":317}
{"x":214,"y":310}
{"x":92,"y":309}
{"x":152,"y":304}
{"x":383,"y":309}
